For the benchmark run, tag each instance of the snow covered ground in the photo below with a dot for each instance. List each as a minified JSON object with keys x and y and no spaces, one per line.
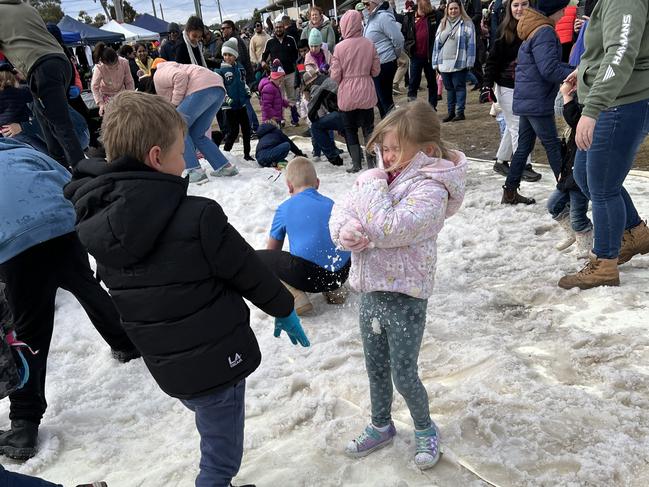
{"x":531,"y":385}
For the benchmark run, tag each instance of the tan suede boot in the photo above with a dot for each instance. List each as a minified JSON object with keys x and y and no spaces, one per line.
{"x":634,"y":242}
{"x":338,"y":296}
{"x":597,"y":272}
{"x":302,"y":303}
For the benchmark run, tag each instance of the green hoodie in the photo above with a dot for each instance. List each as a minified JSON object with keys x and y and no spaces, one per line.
{"x":614,"y":70}
{"x":23,"y":35}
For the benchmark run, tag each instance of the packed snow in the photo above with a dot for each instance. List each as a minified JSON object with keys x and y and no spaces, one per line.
{"x":531,"y":385}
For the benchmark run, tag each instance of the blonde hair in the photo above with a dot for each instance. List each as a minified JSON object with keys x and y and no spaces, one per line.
{"x":416,"y":124}
{"x":135,"y":122}
{"x":463,"y":14}
{"x":300,"y":172}
{"x":7,"y":80}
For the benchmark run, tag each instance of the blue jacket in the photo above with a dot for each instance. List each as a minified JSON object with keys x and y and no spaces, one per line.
{"x":539,"y":71}
{"x":234,"y":79}
{"x":269,"y":138}
{"x":32,"y":206}
{"x":13,"y":105}
{"x":383,"y":30}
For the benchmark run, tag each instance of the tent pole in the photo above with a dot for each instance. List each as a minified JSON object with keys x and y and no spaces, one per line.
{"x":162,"y":12}
{"x":153,"y":5}
{"x":335,"y":10}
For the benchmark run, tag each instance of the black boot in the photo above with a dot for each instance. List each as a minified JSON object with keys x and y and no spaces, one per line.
{"x":19,"y":442}
{"x":450,"y":117}
{"x":511,"y":197}
{"x":124,"y":356}
{"x":459,"y":117}
{"x":502,"y":168}
{"x":356,"y":153}
{"x":336,"y":161}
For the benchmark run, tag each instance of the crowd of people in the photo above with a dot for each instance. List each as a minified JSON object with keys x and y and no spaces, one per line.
{"x":68,"y":189}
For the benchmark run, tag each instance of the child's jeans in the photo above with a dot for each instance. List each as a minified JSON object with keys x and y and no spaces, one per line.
{"x":392,"y":326}
{"x":219,"y":420}
{"x":570,"y":203}
{"x":199,"y":109}
{"x":270,"y":157}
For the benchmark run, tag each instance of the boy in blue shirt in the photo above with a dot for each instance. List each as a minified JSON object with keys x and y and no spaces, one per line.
{"x":234,"y":108}
{"x":313,"y":264}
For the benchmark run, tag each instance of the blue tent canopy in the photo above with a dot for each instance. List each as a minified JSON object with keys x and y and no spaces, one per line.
{"x":87,"y":32}
{"x":149,"y":22}
{"x":71,"y":38}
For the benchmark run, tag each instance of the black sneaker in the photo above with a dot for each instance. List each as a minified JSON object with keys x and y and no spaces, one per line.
{"x":502,"y":168}
{"x":124,"y":356}
{"x":248,"y":158}
{"x":336,"y":161}
{"x":530,"y":175}
{"x":449,"y":118}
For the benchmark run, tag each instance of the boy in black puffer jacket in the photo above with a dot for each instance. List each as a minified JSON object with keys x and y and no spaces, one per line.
{"x":274,"y":145}
{"x":178,"y":273}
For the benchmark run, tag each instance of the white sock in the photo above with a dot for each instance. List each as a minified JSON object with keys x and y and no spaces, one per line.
{"x":383,"y":429}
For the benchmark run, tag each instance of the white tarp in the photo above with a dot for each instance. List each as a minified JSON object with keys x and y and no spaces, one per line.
{"x":131,"y":32}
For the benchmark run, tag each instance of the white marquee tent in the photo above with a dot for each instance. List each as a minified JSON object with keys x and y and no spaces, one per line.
{"x":131,"y":32}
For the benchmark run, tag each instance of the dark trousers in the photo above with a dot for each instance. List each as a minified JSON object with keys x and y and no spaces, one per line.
{"x":270,"y":157}
{"x":383,"y":84}
{"x":31,"y":280}
{"x":529,"y":128}
{"x":321,"y":133}
{"x":302,"y":274}
{"x":13,"y":479}
{"x":49,"y":82}
{"x":235,"y":118}
{"x":417,"y":65}
{"x":358,"y":119}
{"x":220,"y":418}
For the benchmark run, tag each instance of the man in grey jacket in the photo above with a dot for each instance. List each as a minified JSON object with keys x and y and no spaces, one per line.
{"x":36,"y":54}
{"x":383,"y":30}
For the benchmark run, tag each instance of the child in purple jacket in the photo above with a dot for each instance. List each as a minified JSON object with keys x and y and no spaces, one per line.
{"x":271,"y":99}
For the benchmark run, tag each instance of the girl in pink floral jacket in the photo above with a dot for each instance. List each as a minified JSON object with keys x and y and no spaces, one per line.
{"x":390,"y":222}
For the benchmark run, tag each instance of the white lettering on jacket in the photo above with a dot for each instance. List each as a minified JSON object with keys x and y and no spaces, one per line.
{"x":624,"y":39}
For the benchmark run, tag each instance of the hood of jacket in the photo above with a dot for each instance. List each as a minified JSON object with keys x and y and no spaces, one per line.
{"x":265,"y":129}
{"x":531,"y":21}
{"x":451,"y":174}
{"x":351,"y":25}
{"x":383,"y":9}
{"x":122,"y":208}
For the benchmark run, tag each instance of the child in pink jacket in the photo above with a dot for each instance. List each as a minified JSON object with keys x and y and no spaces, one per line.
{"x":110,"y":76}
{"x":353,"y":66}
{"x":390,"y":222}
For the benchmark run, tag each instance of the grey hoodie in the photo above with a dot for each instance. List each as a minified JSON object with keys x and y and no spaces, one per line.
{"x":24,"y":37}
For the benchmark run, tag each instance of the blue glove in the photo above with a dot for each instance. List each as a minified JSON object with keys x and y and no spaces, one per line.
{"x":291,"y":325}
{"x":74,"y":92}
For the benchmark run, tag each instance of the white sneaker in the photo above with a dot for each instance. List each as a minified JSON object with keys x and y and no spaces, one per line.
{"x":569,"y":237}
{"x":225,"y":171}
{"x":584,"y":243}
{"x":197,"y":176}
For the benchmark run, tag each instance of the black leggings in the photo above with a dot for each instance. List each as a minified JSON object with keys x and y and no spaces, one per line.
{"x":235,"y":118}
{"x":302,"y":274}
{"x":358,"y":119}
{"x":31,"y":279}
{"x":383,"y":85}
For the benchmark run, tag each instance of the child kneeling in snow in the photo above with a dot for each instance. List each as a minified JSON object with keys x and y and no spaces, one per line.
{"x":273,"y":145}
{"x":314,"y":264}
{"x":390,"y":222}
{"x":178,"y":273}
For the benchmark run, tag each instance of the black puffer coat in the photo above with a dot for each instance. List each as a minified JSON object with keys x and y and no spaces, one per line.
{"x":178,"y":273}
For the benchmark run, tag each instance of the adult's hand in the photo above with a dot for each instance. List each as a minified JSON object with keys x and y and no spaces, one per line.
{"x":584,"y":135}
{"x":11,"y":130}
{"x":572,"y":78}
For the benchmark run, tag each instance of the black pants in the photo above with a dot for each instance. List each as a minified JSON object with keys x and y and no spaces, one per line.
{"x":49,"y":82}
{"x":235,"y":118}
{"x":383,"y":84}
{"x":31,"y":280}
{"x":302,"y":274}
{"x":358,"y":119}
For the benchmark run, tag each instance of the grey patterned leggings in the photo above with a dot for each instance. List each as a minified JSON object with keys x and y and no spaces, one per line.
{"x":392,"y":327}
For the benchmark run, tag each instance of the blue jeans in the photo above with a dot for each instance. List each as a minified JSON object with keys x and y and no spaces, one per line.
{"x":199,"y":109}
{"x":455,"y":84}
{"x":416,"y":67}
{"x":219,"y":420}
{"x":600,"y":173}
{"x":529,"y":129}
{"x":572,"y":203}
{"x":12,"y":479}
{"x":252,"y":116}
{"x":320,"y":130}
{"x":270,"y":157}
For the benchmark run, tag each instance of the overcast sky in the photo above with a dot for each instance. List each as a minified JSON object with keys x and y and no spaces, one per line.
{"x":174,"y":10}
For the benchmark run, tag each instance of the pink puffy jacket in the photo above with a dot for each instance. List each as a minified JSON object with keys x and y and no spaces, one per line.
{"x":174,"y":82}
{"x":402,"y":221}
{"x":353,"y":64}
